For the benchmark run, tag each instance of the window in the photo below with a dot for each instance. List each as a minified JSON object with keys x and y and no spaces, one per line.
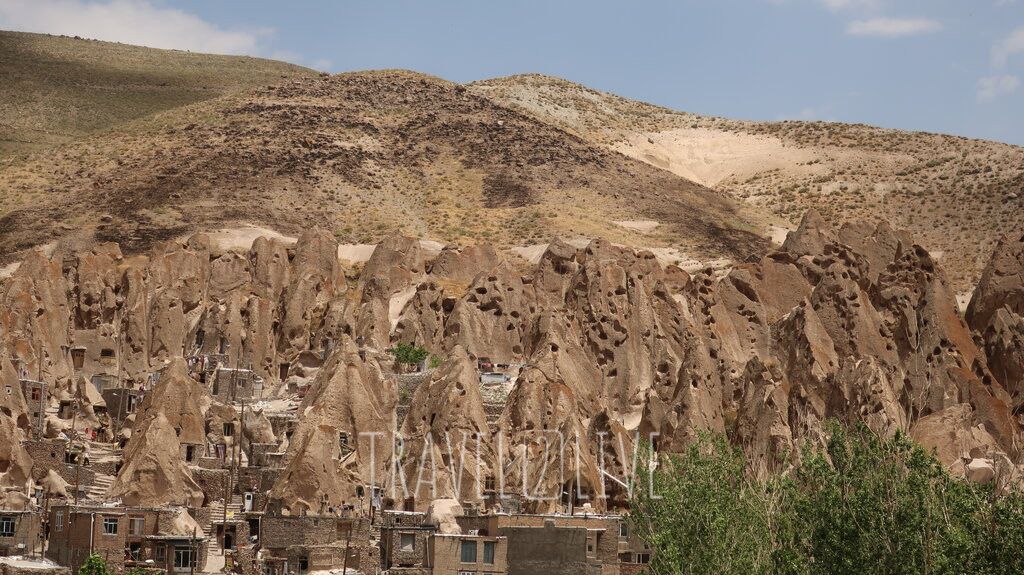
{"x":110,"y":525}
{"x":135,"y":551}
{"x":489,"y":551}
{"x":489,"y":483}
{"x":468,"y":552}
{"x":58,"y":520}
{"x":407,"y":543}
{"x":643,"y":558}
{"x":229,"y":429}
{"x":136,"y":525}
{"x":190,"y":452}
{"x":623,"y":529}
{"x":7,"y":526}
{"x":106,"y":353}
{"x":78,"y":357}
{"x":160,"y":553}
{"x":182,"y":557}
{"x":35,"y":394}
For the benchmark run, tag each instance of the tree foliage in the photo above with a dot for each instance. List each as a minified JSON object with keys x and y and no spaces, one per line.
{"x":862,"y":505}
{"x":95,"y":565}
{"x":408,"y":353}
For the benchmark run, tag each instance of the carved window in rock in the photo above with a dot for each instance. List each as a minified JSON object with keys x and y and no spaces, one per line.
{"x":407,"y":543}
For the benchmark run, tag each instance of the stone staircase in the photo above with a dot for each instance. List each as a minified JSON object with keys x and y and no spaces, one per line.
{"x":99,"y":488}
{"x":215,"y":551}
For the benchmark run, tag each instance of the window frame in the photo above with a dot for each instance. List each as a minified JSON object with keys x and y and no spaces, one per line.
{"x":464,"y":545}
{"x":186,"y":552}
{"x":132,"y":522}
{"x":401,"y":542}
{"x":4,"y":521}
{"x":490,"y":547}
{"x":110,"y":525}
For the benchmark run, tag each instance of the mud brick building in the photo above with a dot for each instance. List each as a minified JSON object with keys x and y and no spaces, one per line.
{"x":537,"y":543}
{"x":403,"y":542}
{"x":317,"y":542}
{"x":235,"y":384}
{"x":464,"y":554}
{"x":35,"y":398}
{"x":76,"y":531}
{"x":19,"y":532}
{"x":121,"y":401}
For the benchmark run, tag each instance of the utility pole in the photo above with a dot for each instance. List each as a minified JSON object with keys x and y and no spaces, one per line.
{"x":78,"y":458}
{"x":192,"y":553}
{"x":348,"y":540}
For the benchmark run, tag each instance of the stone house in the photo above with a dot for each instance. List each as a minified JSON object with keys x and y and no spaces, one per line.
{"x":594,"y":543}
{"x":464,"y":554}
{"x":404,"y":541}
{"x":301,"y":543}
{"x":19,"y":532}
{"x":76,"y":531}
{"x":36,"y":400}
{"x":125,"y":536}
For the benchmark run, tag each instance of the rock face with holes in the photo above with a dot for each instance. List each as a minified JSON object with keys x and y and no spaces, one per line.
{"x":609,"y":346}
{"x":446,"y":434}
{"x":171,"y":416}
{"x":344,"y":436}
{"x":996,"y":314}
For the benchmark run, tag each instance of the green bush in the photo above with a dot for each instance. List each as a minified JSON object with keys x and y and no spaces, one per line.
{"x":862,"y":505}
{"x":408,"y":353}
{"x":95,"y":565}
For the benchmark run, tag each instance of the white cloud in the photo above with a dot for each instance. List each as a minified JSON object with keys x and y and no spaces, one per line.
{"x":844,"y":4}
{"x":322,"y":64}
{"x":129,"y":21}
{"x":991,"y":87}
{"x":893,"y":27}
{"x":1009,"y":46}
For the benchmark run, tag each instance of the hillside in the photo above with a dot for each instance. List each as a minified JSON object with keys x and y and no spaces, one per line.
{"x":360,"y":154}
{"x":57,"y":89}
{"x":957,"y":195}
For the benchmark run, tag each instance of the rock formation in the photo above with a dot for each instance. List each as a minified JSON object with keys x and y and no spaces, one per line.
{"x":607,"y":346}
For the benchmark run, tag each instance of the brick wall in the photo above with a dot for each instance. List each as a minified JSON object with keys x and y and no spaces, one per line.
{"x":212,"y":482}
{"x":26,"y":533}
{"x":446,"y":555}
{"x":283,"y":531}
{"x":549,"y":549}
{"x":49,"y":454}
{"x":70,"y":545}
{"x":603,"y":529}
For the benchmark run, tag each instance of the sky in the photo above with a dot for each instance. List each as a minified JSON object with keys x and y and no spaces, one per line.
{"x":952,"y":66}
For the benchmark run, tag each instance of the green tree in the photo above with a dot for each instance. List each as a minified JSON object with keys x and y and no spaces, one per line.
{"x":702,"y":513}
{"x":862,"y":504}
{"x":408,"y":353}
{"x":95,"y":565}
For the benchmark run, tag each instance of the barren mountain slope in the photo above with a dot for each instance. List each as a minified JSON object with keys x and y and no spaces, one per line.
{"x":957,"y":195}
{"x":360,"y":154}
{"x":56,"y":89}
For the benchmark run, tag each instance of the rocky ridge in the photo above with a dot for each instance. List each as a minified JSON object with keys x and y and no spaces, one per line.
{"x":856,"y":323}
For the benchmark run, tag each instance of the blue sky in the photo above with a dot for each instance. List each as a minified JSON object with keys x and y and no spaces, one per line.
{"x":954,"y":66}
